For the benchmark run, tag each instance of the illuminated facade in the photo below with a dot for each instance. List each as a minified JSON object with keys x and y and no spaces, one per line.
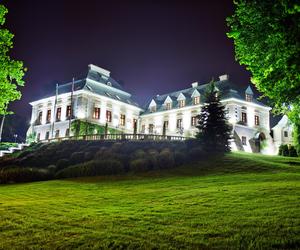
{"x":99,"y":99}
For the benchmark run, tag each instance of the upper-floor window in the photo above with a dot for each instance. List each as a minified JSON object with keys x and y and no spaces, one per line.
{"x":151,"y":128}
{"x":166,"y":124}
{"x":58,"y":114}
{"x":68,"y":113}
{"x":134,"y":124}
{"x":244,"y":140}
{"x":196,"y":100}
{"x":168,"y":105}
{"x":48,"y":119}
{"x":181,"y":103}
{"x":152,"y":108}
{"x":244,"y":117}
{"x":96,"y":113}
{"x":194,"y":121}
{"x":108,"y":115}
{"x":40,"y":116}
{"x":249,"y":98}
{"x":122,"y":120}
{"x":179,"y":123}
{"x":286,"y":134}
{"x":256,"y":120}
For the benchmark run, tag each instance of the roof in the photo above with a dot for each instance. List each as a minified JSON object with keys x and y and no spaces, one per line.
{"x":98,"y":81}
{"x":226,"y":87}
{"x":249,"y":91}
{"x":283,"y":123}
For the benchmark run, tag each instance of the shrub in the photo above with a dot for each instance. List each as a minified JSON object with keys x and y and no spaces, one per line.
{"x":166,"y":159}
{"x":139,"y":165}
{"x":88,"y":156}
{"x":195,"y":154}
{"x":77,"y":157}
{"x":138,"y":154}
{"x":152,"y":158}
{"x":284,"y":150}
{"x":92,"y":168}
{"x":292,"y":151}
{"x":179,"y":158}
{"x":62,"y":163}
{"x":14,"y":174}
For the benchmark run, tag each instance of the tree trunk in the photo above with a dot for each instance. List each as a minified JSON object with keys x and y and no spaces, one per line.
{"x":1,"y":127}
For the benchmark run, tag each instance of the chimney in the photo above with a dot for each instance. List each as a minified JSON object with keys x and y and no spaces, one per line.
{"x":194,"y":84}
{"x":224,"y":77}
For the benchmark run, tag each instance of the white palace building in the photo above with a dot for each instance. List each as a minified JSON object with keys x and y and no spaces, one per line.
{"x":99,"y":99}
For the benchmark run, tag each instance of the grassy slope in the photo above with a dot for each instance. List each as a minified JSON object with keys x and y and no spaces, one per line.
{"x":245,"y":201}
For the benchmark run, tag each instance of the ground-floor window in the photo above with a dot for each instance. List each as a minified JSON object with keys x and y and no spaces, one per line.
{"x":67,"y":132}
{"x":286,"y":134}
{"x":47,"y":135}
{"x":108,"y":115}
{"x":151,"y":128}
{"x":179,"y":123}
{"x":194,"y":121}
{"x":96,"y":114}
{"x":244,"y":140}
{"x":122,"y":120}
{"x":57,"y":133}
{"x":38,"y":136}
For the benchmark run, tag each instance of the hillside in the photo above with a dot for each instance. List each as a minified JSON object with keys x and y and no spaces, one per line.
{"x":241,"y":201}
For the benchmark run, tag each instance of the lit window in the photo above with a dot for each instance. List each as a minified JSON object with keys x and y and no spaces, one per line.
{"x":122,"y":120}
{"x":181,"y":103}
{"x":48,"y":120}
{"x":256,"y":120}
{"x":244,"y":140}
{"x":286,"y":134}
{"x":108,"y":116}
{"x":179,"y":123}
{"x":58,"y":114}
{"x":244,"y":117}
{"x":249,"y":98}
{"x":68,"y":113}
{"x":118,"y":97}
{"x":194,"y":121}
{"x":168,"y":106}
{"x":196,"y":100}
{"x":96,"y":114}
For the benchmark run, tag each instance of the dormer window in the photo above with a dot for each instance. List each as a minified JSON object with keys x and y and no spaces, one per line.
{"x":196,"y":100}
{"x":168,"y":106}
{"x":152,"y":109}
{"x":181,"y":103}
{"x":109,"y":84}
{"x":249,"y":98}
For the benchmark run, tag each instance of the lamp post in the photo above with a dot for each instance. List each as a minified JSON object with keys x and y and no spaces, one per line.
{"x":15,"y":136}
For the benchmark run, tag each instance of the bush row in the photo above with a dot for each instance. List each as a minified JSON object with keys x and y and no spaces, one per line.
{"x":287,"y":150}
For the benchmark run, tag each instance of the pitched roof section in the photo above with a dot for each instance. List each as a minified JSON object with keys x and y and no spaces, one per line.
{"x":249,"y":91}
{"x":98,"y":81}
{"x":226,"y":87}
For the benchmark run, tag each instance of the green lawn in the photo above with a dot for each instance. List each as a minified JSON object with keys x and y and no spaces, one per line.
{"x":242,"y":201}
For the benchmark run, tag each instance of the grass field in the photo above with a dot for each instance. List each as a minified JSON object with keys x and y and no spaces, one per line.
{"x":242,"y":201}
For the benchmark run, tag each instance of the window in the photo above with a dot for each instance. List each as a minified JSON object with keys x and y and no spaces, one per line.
{"x":256,"y":120}
{"x":152,"y":108}
{"x":67,"y":132}
{"x":179,"y":123}
{"x":166,"y":124}
{"x":108,"y":116}
{"x":68,"y":113}
{"x":143,"y":128}
{"x":168,"y":106}
{"x":58,"y":114}
{"x":194,"y":121}
{"x":47,"y":135}
{"x":249,"y":98}
{"x":57,"y":133}
{"x":196,"y":100}
{"x":151,"y":128}
{"x":134,"y":124}
{"x":122,"y":120}
{"x":244,"y":117}
{"x":96,"y":114}
{"x":48,"y":120}
{"x":40,"y":116}
{"x":286,"y":134}
{"x":181,"y":103}
{"x":38,"y":136}
{"x":244,"y":140}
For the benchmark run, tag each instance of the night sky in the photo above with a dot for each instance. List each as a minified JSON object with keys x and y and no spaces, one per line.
{"x":153,"y":47}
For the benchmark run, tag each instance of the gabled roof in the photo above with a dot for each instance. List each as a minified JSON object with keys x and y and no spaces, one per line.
{"x":181,"y":96}
{"x":249,"y":91}
{"x":97,"y":81}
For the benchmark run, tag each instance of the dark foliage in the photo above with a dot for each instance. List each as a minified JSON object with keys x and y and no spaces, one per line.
{"x":214,"y":130}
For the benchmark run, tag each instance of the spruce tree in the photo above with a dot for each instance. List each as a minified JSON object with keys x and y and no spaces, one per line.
{"x":214,"y":130}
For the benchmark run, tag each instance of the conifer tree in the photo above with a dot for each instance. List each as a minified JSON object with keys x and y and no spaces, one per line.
{"x":214,"y":130}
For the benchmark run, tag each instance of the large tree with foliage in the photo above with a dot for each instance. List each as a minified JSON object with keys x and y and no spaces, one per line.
{"x":266,"y":36}
{"x":214,"y":130}
{"x":11,"y":71}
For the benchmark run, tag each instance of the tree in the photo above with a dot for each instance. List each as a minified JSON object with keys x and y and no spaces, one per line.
{"x":11,"y":71}
{"x":214,"y":130}
{"x":267,"y":40}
